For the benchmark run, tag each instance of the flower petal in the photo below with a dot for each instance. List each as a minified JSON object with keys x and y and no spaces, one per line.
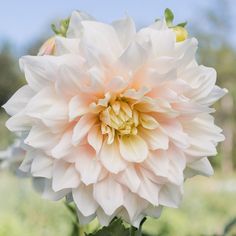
{"x":133,"y":148}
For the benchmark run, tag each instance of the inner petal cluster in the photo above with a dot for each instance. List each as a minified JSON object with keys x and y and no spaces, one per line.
{"x":118,"y":119}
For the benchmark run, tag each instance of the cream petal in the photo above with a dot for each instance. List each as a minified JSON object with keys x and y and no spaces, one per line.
{"x":149,"y":190}
{"x":83,"y":197}
{"x":126,"y":30}
{"x":78,"y":106}
{"x":75,"y":27}
{"x":171,"y":195}
{"x":134,"y":205}
{"x":102,"y":39}
{"x":82,"y":128}
{"x":200,"y":167}
{"x":148,"y":122}
{"x":19,"y":100}
{"x":155,"y":139}
{"x":66,"y":45}
{"x":64,"y":176}
{"x":109,"y":195}
{"x":133,"y":148}
{"x":41,"y":165}
{"x":41,"y":137}
{"x":19,"y":122}
{"x":133,"y":57}
{"x":64,"y":146}
{"x":111,"y":158}
{"x":87,"y":164}
{"x":95,"y":138}
{"x":44,"y":186}
{"x":129,"y":178}
{"x":158,"y":163}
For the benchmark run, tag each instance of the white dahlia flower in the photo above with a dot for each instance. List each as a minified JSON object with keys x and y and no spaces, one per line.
{"x":116,"y":119}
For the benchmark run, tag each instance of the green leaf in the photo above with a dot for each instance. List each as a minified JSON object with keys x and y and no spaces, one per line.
{"x":183,"y":24}
{"x":169,"y":16}
{"x":116,"y":228}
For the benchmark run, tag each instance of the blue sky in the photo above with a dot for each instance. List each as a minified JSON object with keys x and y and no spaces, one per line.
{"x":23,"y":21}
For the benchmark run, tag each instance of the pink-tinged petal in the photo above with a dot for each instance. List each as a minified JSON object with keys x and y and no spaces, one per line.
{"x":158,"y":163}
{"x":148,"y":189}
{"x":64,"y":176}
{"x":41,"y":165}
{"x":64,"y":146}
{"x":95,"y":138}
{"x":83,"y":197}
{"x":111,"y":158}
{"x":133,"y":57}
{"x":155,"y":139}
{"x":78,"y":106}
{"x":19,"y":100}
{"x":171,"y":195}
{"x":174,"y":130}
{"x":109,"y":194}
{"x":133,"y":148}
{"x":87,"y":164}
{"x":125,"y":29}
{"x":134,"y":205}
{"x":129,"y":178}
{"x":82,"y":128}
{"x":41,"y":137}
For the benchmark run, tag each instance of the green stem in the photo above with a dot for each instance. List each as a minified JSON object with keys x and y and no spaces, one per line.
{"x":81,"y":231}
{"x":132,"y":231}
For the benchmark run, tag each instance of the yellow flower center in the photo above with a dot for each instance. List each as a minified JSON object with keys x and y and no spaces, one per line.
{"x":118,"y":118}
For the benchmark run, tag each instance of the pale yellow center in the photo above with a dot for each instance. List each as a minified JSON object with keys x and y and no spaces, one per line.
{"x":118,"y":118}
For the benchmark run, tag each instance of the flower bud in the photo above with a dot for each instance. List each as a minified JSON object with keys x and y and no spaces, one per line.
{"x":181,"y":33}
{"x":48,"y":47}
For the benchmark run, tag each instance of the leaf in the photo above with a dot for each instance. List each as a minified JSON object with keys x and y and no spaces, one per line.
{"x":169,"y":16}
{"x":116,"y":228}
{"x":183,"y":24}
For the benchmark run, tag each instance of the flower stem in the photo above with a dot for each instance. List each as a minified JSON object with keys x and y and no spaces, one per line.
{"x":81,"y":231}
{"x":132,"y":231}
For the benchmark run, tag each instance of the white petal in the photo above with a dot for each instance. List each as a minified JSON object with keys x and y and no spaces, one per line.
{"x":129,"y":178}
{"x":155,"y":139}
{"x":158,"y":163}
{"x":133,"y":57}
{"x":66,"y":45}
{"x":154,"y":212}
{"x":41,"y":165}
{"x":75,"y":27}
{"x":19,"y":100}
{"x":82,"y":128}
{"x":125,"y":29}
{"x":149,"y":190}
{"x":95,"y":138}
{"x":170,"y":195}
{"x":83,"y":197}
{"x":200,"y":167}
{"x":111,"y":158}
{"x":103,"y":218}
{"x":64,"y":146}
{"x":133,"y":148}
{"x":87,"y":164}
{"x":64,"y":176}
{"x":78,"y":106}
{"x":84,"y":220}
{"x":109,"y":194}
{"x":41,"y":137}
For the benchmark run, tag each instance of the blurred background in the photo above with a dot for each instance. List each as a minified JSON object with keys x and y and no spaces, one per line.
{"x":209,"y":204}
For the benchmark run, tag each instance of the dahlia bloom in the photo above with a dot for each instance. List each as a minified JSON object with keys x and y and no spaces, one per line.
{"x":116,"y":119}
